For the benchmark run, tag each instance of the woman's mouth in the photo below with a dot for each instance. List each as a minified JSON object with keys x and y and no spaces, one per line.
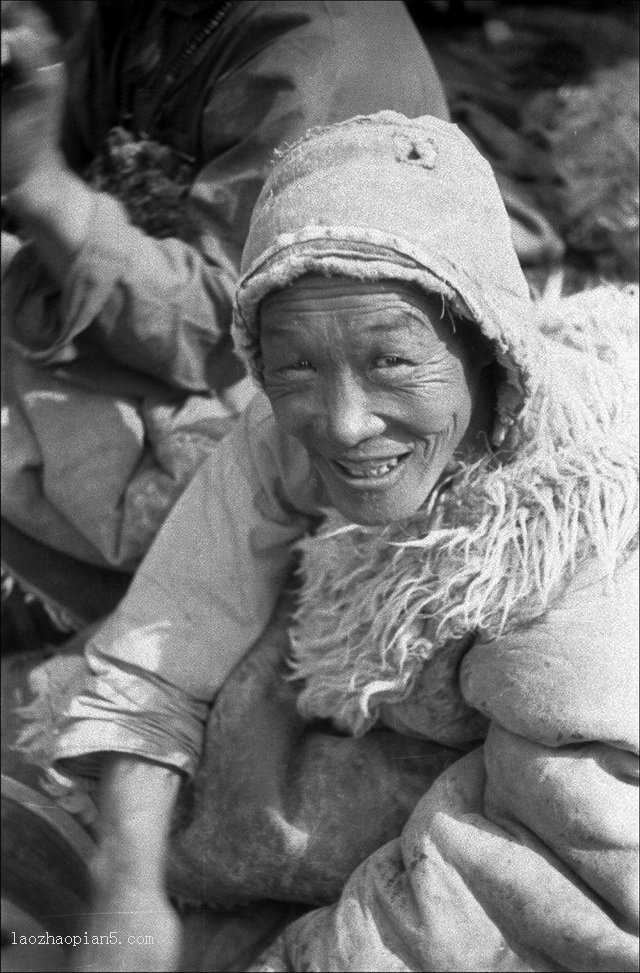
{"x":372,"y":469}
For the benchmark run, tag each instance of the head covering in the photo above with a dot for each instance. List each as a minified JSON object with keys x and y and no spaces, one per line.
{"x":384,"y":197}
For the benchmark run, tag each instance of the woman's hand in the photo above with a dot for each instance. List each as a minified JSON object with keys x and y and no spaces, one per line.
{"x":133,"y":927}
{"x":33,"y":88}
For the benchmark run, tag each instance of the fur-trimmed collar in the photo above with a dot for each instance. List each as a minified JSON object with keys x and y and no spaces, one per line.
{"x":496,"y":544}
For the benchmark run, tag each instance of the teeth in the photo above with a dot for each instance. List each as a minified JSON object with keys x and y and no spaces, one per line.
{"x":364,"y":471}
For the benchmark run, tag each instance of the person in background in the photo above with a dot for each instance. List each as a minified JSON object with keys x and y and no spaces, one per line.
{"x":132,"y":171}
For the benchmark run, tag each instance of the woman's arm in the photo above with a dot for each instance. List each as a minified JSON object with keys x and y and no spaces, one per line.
{"x":201,"y":598}
{"x":129,"y":898}
{"x":136,"y":800}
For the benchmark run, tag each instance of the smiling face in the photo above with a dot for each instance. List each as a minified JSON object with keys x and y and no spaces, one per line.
{"x":377,"y":387}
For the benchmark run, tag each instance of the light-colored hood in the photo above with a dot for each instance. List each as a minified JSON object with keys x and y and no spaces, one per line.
{"x":383,"y":197}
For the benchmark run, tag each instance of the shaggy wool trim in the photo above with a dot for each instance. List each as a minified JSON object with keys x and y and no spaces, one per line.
{"x":496,"y":544}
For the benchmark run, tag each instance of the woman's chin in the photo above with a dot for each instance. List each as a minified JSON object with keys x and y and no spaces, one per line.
{"x":377,"y":508}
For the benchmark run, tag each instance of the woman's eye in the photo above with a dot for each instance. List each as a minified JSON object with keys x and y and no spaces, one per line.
{"x":302,"y":365}
{"x":390,"y":361}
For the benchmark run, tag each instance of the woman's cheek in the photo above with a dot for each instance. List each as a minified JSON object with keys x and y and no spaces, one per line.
{"x":426,"y":413}
{"x":292,"y":408}
{"x":439,"y":394}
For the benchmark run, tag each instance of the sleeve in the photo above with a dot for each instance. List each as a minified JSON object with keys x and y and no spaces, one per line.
{"x":202,"y":596}
{"x":523,"y":854}
{"x":161,"y":307}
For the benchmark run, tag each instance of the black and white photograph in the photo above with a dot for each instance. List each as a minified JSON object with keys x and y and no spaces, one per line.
{"x":320,"y":486}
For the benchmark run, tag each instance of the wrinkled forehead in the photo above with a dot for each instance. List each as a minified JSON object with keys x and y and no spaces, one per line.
{"x":316,"y":294}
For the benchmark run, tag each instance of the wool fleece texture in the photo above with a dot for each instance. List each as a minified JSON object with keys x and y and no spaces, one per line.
{"x":499,"y":623}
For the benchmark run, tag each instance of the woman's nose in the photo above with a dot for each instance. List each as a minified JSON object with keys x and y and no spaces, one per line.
{"x":350,"y":415}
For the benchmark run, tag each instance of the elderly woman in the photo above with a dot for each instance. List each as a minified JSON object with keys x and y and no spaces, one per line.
{"x":462,"y":472}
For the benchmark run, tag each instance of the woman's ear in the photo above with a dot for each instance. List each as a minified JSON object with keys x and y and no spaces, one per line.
{"x":480,"y":350}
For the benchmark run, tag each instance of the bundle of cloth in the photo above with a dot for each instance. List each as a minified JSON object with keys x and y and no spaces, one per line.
{"x":431,"y":735}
